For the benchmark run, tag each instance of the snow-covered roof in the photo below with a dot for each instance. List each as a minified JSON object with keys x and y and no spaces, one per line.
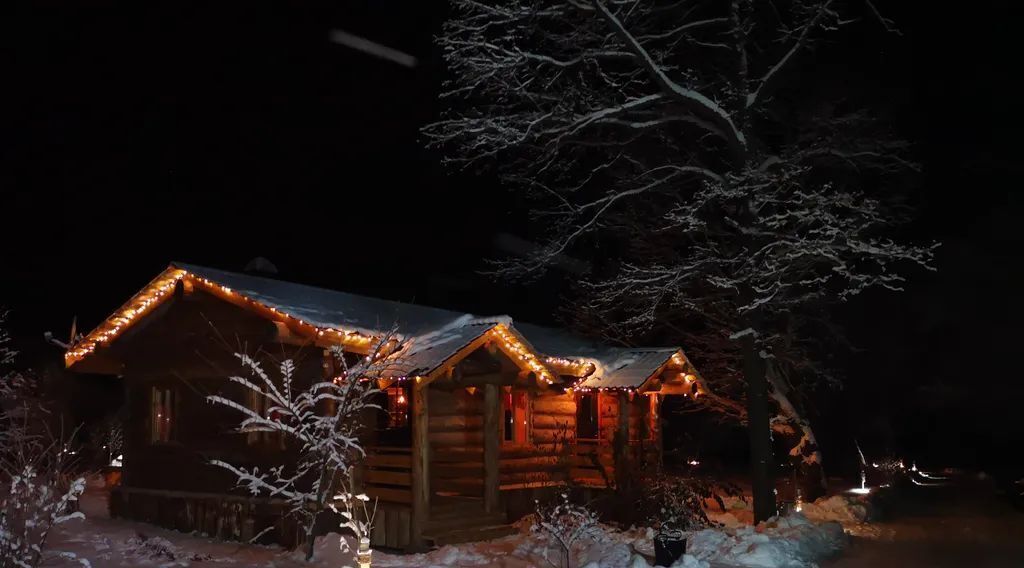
{"x":328,"y":308}
{"x":615,"y":367}
{"x":434,"y":335}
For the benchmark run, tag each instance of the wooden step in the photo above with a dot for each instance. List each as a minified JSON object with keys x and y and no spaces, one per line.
{"x":473,"y":534}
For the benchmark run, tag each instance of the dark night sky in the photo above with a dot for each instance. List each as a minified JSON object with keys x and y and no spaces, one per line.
{"x":213,"y":132}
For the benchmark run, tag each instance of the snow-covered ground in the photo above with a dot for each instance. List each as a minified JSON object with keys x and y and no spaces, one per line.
{"x":792,"y":541}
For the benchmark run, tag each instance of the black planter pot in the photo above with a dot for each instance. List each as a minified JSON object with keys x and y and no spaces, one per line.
{"x":669,"y":546}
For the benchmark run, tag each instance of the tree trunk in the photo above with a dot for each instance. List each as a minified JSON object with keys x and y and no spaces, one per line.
{"x":759,"y":426}
{"x":811,"y":481}
{"x":310,"y":544}
{"x":805,"y":454}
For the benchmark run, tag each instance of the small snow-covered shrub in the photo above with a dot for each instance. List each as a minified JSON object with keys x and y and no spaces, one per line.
{"x":357,"y":516}
{"x":141,"y":547}
{"x":38,"y":489}
{"x":38,"y":494}
{"x":673,"y":502}
{"x":565,"y":525}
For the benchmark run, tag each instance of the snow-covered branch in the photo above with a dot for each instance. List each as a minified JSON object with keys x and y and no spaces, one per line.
{"x":820,"y":13}
{"x":700,"y":102}
{"x":320,"y":420}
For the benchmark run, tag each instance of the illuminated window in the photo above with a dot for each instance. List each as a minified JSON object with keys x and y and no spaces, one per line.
{"x":397,"y":407}
{"x":515,"y":412}
{"x":161,"y":414}
{"x":587,"y":422}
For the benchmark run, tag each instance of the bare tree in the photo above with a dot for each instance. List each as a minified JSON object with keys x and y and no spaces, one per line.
{"x":666,"y":133}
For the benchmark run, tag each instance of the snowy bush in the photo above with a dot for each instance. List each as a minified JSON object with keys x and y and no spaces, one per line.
{"x":108,"y":439}
{"x":141,"y":547}
{"x":37,"y":490}
{"x":39,"y":493}
{"x":672,"y":502}
{"x":357,"y":516}
{"x":565,"y":525}
{"x":323,"y":422}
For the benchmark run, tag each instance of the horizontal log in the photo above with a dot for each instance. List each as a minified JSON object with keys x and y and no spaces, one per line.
{"x":456,"y":423}
{"x":532,"y":477}
{"x":589,"y":479}
{"x":554,"y":405}
{"x":552,"y":437}
{"x":457,"y":402}
{"x":454,"y":413}
{"x":389,"y":460}
{"x":540,"y":463}
{"x":377,"y":476}
{"x":513,"y":452}
{"x":388,"y":494}
{"x":587,"y":462}
{"x":549,"y":421}
{"x":456,"y":470}
{"x":461,"y":454}
{"x":457,"y":439}
{"x":390,"y":450}
{"x":464,"y":486}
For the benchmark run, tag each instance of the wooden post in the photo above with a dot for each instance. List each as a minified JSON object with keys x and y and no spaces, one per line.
{"x":420,"y":466}
{"x":656,"y":426}
{"x":623,"y":435}
{"x":492,"y":430}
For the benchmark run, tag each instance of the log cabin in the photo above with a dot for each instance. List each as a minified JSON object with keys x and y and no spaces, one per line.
{"x":486,"y":412}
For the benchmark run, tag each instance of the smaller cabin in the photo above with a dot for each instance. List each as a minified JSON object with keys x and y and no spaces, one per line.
{"x":485,"y":412}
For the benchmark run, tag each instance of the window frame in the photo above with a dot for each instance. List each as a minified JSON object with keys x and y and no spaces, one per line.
{"x":402,"y":394}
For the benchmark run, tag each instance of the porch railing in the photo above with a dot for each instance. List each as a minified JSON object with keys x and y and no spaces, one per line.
{"x":387,"y":474}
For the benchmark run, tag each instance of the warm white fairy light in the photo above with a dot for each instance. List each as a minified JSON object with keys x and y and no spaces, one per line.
{"x":159,"y":289}
{"x":575,"y":367}
{"x":138,"y":305}
{"x":513,"y":347}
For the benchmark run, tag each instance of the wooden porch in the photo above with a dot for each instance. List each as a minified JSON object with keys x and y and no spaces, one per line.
{"x":457,"y":507}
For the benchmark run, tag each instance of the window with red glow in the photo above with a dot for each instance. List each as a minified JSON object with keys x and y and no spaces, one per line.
{"x":398,"y":407}
{"x":515,"y":422}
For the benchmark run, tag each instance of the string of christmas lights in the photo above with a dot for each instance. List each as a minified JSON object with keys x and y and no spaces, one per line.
{"x":163,"y":286}
{"x":512,"y":347}
{"x":138,"y":305}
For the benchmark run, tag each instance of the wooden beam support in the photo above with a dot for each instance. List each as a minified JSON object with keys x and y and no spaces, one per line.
{"x":622,"y":447}
{"x":492,"y":430}
{"x":656,"y":402}
{"x":624,"y":415}
{"x":420,"y":466}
